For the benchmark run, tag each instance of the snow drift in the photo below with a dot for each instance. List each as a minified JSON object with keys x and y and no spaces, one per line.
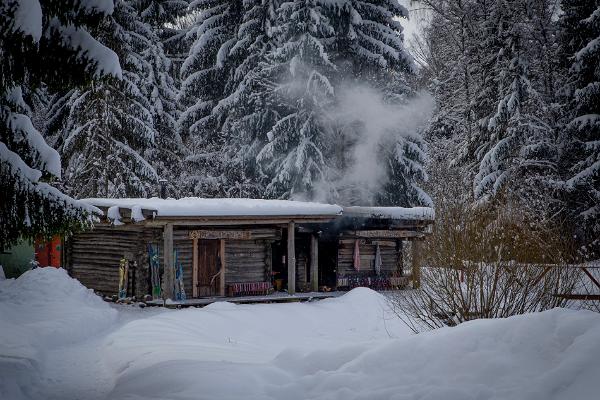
{"x":43,"y":309}
{"x":59,"y":341}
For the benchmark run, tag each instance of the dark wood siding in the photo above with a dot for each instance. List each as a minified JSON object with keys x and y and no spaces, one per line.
{"x":247,"y":261}
{"x":94,"y":258}
{"x":390,"y":258}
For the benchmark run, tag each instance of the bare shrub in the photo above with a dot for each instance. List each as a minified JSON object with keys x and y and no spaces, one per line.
{"x":487,"y":263}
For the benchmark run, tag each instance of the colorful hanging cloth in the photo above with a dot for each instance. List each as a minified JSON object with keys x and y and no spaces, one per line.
{"x":356,"y":255}
{"x":377,"y":260}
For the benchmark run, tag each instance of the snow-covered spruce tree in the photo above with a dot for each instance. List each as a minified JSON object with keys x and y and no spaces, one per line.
{"x":580,"y":24}
{"x":519,"y":149}
{"x":467,"y":66}
{"x":205,"y":75}
{"x":295,"y":76}
{"x":166,"y":155}
{"x":109,"y":129}
{"x":247,"y":118}
{"x":46,"y":42}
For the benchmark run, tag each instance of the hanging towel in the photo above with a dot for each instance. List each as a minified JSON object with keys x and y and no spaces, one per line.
{"x":377,"y":260}
{"x":356,"y":256}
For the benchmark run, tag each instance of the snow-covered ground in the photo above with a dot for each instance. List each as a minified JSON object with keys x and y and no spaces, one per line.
{"x":59,"y":341}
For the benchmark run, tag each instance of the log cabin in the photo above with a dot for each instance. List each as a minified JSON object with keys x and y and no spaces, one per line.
{"x":233,"y":247}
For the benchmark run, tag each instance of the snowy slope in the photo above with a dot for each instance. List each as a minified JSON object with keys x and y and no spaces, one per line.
{"x":350,"y":347}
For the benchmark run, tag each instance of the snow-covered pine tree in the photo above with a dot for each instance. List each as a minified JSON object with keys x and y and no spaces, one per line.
{"x":519,"y":149}
{"x":109,"y":129}
{"x":580,"y":23}
{"x":296,"y":78}
{"x":205,"y":74}
{"x":161,"y":89}
{"x":459,"y":52}
{"x":46,"y":42}
{"x":246,"y":117}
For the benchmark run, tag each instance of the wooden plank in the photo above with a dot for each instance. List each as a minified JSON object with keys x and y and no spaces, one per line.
{"x":208,"y":234}
{"x":168,"y":278}
{"x":383,"y":234}
{"x":314,"y":263}
{"x":194,"y":268}
{"x":291,"y":258}
{"x":222,"y":277}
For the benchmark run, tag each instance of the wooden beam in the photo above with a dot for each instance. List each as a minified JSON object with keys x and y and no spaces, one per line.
{"x":383,"y":234}
{"x":291,"y":257}
{"x":591,"y":277}
{"x":567,"y":296}
{"x":194,"y":268}
{"x":314,"y":263}
{"x":221,"y":234}
{"x":222,"y":277}
{"x":168,"y":275}
{"x":225,"y":221}
{"x":541,"y":276}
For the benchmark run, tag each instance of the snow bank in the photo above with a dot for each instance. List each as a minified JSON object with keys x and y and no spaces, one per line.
{"x":201,"y":207}
{"x":224,"y":353}
{"x":59,"y":341}
{"x":41,"y":310}
{"x":224,"y":332}
{"x":401,"y":213}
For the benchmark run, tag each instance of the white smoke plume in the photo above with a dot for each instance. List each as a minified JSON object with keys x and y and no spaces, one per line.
{"x":365,"y":122}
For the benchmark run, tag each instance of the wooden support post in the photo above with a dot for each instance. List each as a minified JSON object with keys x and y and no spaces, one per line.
{"x":416,"y":263}
{"x":194,"y":267}
{"x":168,"y":275}
{"x":291,"y":258}
{"x":314,"y":263}
{"x":222,"y":277}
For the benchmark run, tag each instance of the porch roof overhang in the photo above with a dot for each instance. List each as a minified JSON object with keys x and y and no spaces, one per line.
{"x":199,"y":211}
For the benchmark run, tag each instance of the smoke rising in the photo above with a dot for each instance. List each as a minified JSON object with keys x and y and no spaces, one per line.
{"x":366,"y":124}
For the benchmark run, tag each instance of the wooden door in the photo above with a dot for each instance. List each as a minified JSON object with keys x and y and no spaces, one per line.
{"x":208,"y":268}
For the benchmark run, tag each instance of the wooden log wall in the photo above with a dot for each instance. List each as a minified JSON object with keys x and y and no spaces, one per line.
{"x":94,"y":257}
{"x":390,"y":258}
{"x":247,"y":261}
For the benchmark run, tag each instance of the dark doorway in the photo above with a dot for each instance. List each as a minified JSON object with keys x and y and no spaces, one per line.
{"x":279,"y":250}
{"x":328,"y":264}
{"x":208,"y":267}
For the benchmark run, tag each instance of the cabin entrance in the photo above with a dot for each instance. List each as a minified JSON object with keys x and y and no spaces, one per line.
{"x":209,"y":265}
{"x":328,"y":264}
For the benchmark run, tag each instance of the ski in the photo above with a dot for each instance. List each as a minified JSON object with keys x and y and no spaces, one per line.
{"x":154,"y":261}
{"x":179,"y":290}
{"x":123,"y":278}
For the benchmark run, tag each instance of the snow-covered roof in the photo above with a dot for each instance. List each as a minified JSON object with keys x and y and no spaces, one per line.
{"x":228,"y":207}
{"x":399,"y":213}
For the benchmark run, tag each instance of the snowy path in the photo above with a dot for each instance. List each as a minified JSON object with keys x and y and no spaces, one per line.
{"x":65,"y":343}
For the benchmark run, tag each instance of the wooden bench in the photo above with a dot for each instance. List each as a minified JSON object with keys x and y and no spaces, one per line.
{"x":373,"y":282}
{"x":249,"y":288}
